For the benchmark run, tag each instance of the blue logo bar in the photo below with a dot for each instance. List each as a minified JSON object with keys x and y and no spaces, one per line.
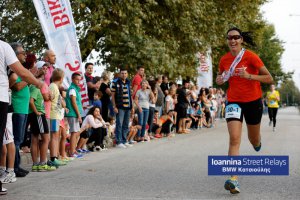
{"x":248,"y":165}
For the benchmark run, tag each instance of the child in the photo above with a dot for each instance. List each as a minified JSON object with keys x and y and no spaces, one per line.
{"x":163,"y":124}
{"x":108,"y":139}
{"x":38,"y":127}
{"x":63,"y":130}
{"x":73,"y":103}
{"x":55,"y":115}
{"x":97,"y":96}
{"x":133,"y":128}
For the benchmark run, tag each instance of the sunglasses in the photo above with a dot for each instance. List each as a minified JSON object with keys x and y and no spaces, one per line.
{"x":235,"y":37}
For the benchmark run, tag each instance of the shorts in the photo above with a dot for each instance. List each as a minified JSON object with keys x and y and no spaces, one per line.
{"x":8,"y":136}
{"x":252,"y":111}
{"x":74,"y":126}
{"x":181,"y":112}
{"x":38,"y":124}
{"x":54,"y":125}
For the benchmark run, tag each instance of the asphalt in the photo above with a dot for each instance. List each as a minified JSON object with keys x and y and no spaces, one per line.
{"x":169,"y":168}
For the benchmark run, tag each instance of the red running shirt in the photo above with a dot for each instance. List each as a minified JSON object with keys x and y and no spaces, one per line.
{"x":241,"y":89}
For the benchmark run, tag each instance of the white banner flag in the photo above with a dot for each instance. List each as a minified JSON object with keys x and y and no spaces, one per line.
{"x":204,"y":69}
{"x":59,"y":28}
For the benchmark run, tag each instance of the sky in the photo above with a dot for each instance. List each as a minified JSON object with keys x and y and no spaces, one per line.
{"x":285,"y":16}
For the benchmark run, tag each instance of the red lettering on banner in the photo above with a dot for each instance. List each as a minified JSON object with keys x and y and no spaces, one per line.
{"x":71,"y":68}
{"x":59,"y":19}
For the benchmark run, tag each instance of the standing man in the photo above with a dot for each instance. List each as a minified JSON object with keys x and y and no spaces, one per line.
{"x":137,"y":80}
{"x":122,"y":104}
{"x":20,"y":101}
{"x":165,"y":85}
{"x":50,"y":57}
{"x":8,"y":58}
{"x":91,"y":85}
{"x":181,"y":107}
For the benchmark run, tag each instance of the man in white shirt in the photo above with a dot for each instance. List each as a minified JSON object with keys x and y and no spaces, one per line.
{"x":8,"y":58}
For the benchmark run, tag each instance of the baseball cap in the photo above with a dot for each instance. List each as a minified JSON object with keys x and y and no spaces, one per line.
{"x":41,"y":64}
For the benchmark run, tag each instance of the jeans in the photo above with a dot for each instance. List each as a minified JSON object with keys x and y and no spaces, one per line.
{"x":151,"y":117}
{"x":19,"y":126}
{"x":143,"y":118}
{"x":122,"y":125}
{"x":159,"y":109}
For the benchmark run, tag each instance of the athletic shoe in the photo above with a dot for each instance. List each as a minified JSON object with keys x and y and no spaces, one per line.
{"x":257,"y":148}
{"x":35,"y":168}
{"x":98,"y":148}
{"x":128,"y":145}
{"x":9,"y":178}
{"x":121,"y":146}
{"x":132,"y":142}
{"x":85,"y":151}
{"x":57,"y":162}
{"x":76,"y":155}
{"x":274,"y":129}
{"x":3,"y":191}
{"x":45,"y":168}
{"x":157,"y":136}
{"x":232,"y":185}
{"x":20,"y":174}
{"x":23,"y":170}
{"x":51,"y":164}
{"x":79,"y":150}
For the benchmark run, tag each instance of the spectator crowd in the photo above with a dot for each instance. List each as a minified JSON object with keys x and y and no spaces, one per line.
{"x":52,"y":124}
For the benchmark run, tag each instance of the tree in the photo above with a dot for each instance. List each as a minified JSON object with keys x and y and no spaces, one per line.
{"x":290,"y":94}
{"x":162,"y":35}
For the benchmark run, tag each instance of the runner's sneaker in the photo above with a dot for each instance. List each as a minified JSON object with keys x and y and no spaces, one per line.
{"x":45,"y":168}
{"x":274,"y":129}
{"x":35,"y":168}
{"x":257,"y":148}
{"x":9,"y":178}
{"x":232,"y":185}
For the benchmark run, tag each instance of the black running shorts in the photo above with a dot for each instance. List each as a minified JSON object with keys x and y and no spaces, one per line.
{"x":252,"y":111}
{"x":38,"y":124}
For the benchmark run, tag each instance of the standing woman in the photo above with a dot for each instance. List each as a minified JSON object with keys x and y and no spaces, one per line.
{"x":105,"y":99}
{"x":273,"y":98}
{"x":142,"y":100}
{"x":244,"y":71}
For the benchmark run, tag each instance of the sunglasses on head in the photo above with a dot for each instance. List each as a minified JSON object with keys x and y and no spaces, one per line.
{"x":235,"y":37}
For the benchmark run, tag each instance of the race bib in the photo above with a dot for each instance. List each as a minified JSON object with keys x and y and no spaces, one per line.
{"x":233,"y":111}
{"x":272,"y":102}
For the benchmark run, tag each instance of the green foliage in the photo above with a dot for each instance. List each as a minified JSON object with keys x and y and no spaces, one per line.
{"x":162,"y":35}
{"x":290,"y":94}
